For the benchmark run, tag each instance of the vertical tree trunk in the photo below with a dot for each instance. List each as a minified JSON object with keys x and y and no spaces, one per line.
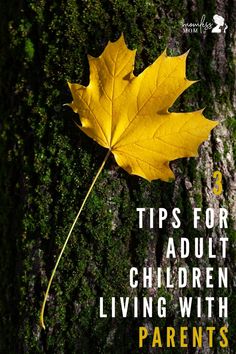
{"x":47,"y":166}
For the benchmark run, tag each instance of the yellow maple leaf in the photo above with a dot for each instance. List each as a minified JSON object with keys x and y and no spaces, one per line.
{"x":129,"y":114}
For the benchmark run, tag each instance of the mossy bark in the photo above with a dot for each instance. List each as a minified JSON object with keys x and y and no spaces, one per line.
{"x":47,"y":166}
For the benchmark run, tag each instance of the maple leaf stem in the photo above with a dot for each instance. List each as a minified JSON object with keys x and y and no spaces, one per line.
{"x":67,"y":239}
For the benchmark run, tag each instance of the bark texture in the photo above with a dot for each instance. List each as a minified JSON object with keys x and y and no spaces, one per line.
{"x":47,"y":166}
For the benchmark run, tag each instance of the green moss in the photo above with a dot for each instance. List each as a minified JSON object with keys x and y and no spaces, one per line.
{"x":29,"y":49}
{"x":49,"y":165}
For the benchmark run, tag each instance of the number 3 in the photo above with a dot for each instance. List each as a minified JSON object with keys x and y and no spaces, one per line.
{"x":217,"y":189}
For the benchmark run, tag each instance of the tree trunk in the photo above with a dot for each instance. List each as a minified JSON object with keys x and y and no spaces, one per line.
{"x":47,"y":167}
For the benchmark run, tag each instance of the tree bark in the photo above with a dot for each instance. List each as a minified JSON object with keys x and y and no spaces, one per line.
{"x":47,"y":166}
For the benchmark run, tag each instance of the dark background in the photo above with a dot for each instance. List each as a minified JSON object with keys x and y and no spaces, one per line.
{"x":47,"y":166}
